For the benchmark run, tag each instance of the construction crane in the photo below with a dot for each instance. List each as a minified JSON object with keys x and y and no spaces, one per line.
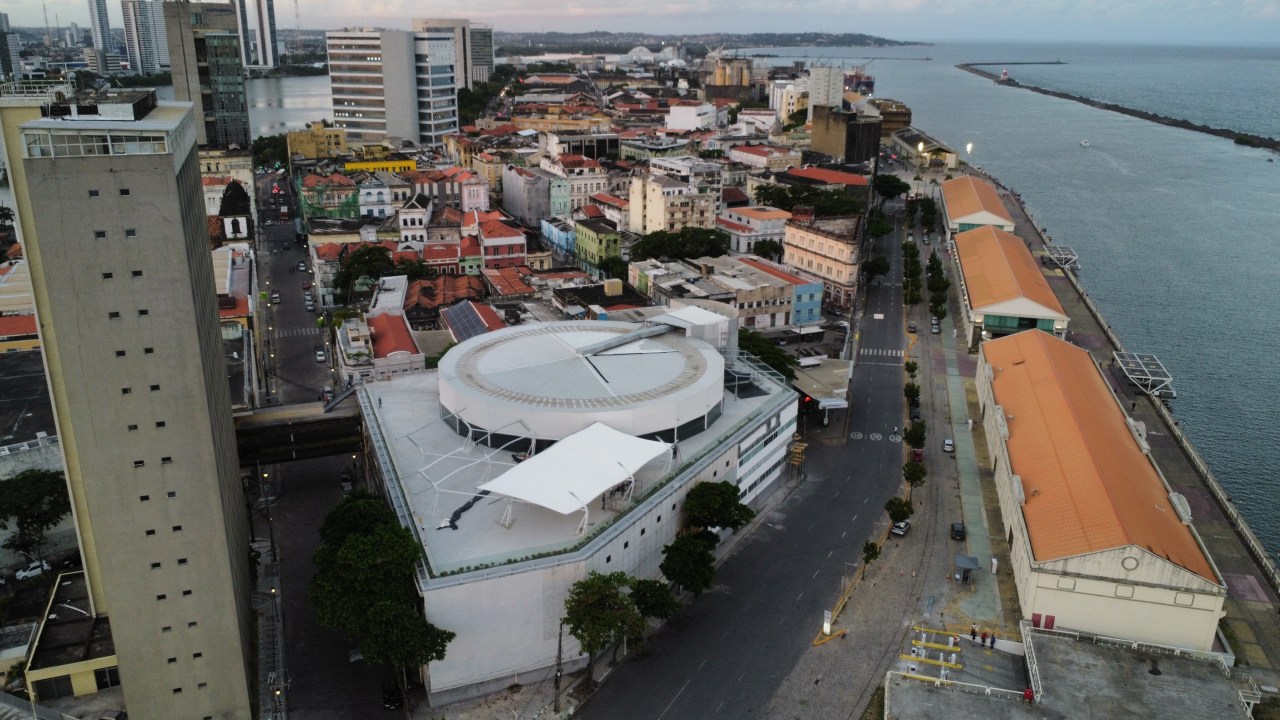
{"x":297,"y":37}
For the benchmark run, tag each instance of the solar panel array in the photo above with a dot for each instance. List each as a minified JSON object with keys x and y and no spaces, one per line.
{"x":464,"y":321}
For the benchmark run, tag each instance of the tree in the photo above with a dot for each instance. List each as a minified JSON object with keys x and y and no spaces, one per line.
{"x":688,"y":561}
{"x":914,"y":434}
{"x":371,"y":261}
{"x":268,"y":150}
{"x":364,"y":586}
{"x":614,"y":267}
{"x":598,"y":612}
{"x":899,"y":509}
{"x":870,"y":552}
{"x":6,"y":216}
{"x":715,"y":504}
{"x":879,"y":228}
{"x":689,"y":242}
{"x":654,"y":599}
{"x":768,"y":249}
{"x":36,"y":501}
{"x":914,"y":473}
{"x":878,"y":265}
{"x":911,"y":391}
{"x":889,"y":186}
{"x":825,"y":203}
{"x":911,"y":367}
{"x":767,"y":352}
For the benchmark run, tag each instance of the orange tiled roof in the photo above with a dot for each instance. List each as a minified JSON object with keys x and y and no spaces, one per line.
{"x":215,"y":181}
{"x":498,"y":229}
{"x":1087,"y":484}
{"x":735,"y":227}
{"x":240,"y":309}
{"x":329,"y":252}
{"x":592,"y":211}
{"x":762,"y":212}
{"x":611,"y":200}
{"x":967,"y":195}
{"x":390,"y":334}
{"x":443,"y":290}
{"x":440,"y":253}
{"x":833,"y":177}
{"x":998,"y":267}
{"x":11,"y":325}
{"x":507,"y":281}
{"x":470,"y":247}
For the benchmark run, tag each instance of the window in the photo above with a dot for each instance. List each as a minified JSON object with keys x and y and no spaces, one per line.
{"x":166,"y":460}
{"x":139,"y":463}
{"x":136,"y":273}
{"x":608,"y":558}
{"x":150,"y":533}
{"x":202,"y":685}
{"x":182,"y":561}
{"x":132,"y":428}
{"x":125,"y":191}
{"x":162,"y":597}
{"x":166,"y":628}
{"x":177,"y":528}
{"x":159,"y":423}
{"x":197,"y":656}
{"x":155,"y":388}
{"x":148,"y":351}
{"x":142,"y":313}
{"x":176,"y":691}
{"x":99,"y":234}
{"x":186,"y":593}
{"x":93,"y":193}
{"x":192,"y":624}
{"x":155,"y":566}
{"x":119,"y":353}
{"x":641,"y":531}
{"x":106,"y":276}
{"x":172,"y":493}
{"x":626,"y":545}
{"x":143,"y":498}
{"x":130,"y":232}
{"x":171,"y":661}
{"x":107,"y":677}
{"x":113,"y":315}
{"x":126,"y":391}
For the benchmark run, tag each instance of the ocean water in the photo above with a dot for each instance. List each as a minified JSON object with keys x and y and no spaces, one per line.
{"x":1178,"y":232}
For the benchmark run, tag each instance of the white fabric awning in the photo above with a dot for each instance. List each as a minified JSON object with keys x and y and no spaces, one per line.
{"x":577,"y":469}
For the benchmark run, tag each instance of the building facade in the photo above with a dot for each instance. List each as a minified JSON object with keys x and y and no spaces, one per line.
{"x":829,"y":249}
{"x":472,"y":46}
{"x":144,"y":36}
{"x":99,"y":27}
{"x":393,"y":84}
{"x":114,"y":182}
{"x":204,"y":57}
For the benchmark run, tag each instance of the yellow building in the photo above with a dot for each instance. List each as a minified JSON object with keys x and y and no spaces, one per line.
{"x":829,"y":249}
{"x":317,"y":141}
{"x":659,"y":202}
{"x":73,"y":653}
{"x":389,"y":165}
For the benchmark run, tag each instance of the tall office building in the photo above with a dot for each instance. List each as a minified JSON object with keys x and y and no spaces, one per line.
{"x":10,"y":64}
{"x":4,"y":22}
{"x":110,"y":207}
{"x":393,"y":84}
{"x":204,"y":57}
{"x":267,"y":51}
{"x":472,"y":46}
{"x":144,"y":36}
{"x":98,"y":25}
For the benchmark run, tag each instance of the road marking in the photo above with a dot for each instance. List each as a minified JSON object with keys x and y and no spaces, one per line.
{"x":855,"y":519}
{"x":744,"y":672}
{"x":843,"y":534}
{"x":829,"y":553}
{"x":833,"y":497}
{"x":677,"y":697}
{"x":717,"y":712}
{"x":704,"y":662}
{"x":864,"y":500}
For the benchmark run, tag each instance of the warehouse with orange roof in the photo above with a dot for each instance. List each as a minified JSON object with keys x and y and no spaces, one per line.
{"x":1002,"y":288}
{"x":970,"y":202}
{"x":1098,"y":540}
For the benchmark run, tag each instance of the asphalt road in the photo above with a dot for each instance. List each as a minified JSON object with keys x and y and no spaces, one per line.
{"x":291,"y":333}
{"x":728,"y":651}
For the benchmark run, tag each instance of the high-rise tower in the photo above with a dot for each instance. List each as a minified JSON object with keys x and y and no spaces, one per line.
{"x":98,"y":25}
{"x":472,"y":46}
{"x":144,"y":36}
{"x":204,"y":57}
{"x":113,"y":223}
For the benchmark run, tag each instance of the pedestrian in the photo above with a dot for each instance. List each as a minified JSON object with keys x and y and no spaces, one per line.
{"x":379,"y":402}
{"x":1029,"y":695}
{"x":993,"y":641}
{"x":973,"y":632}
{"x":984,"y":639}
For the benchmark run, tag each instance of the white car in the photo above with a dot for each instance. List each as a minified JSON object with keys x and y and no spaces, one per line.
{"x":35,"y":569}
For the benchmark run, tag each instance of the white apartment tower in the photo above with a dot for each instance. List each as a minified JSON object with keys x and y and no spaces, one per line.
{"x":114,"y":232}
{"x":393,"y":84}
{"x":98,"y":25}
{"x":826,"y":87}
{"x":145,"y":40}
{"x":472,"y":45}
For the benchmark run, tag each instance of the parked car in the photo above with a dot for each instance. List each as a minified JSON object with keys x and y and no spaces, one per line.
{"x":934,"y":329}
{"x":321,"y":356}
{"x":900,"y":528}
{"x":948,"y":446}
{"x":35,"y":569}
{"x":957,"y":531}
{"x":275,"y":297}
{"x":392,"y":699}
{"x":302,"y":266}
{"x":917,"y":454}
{"x":911,"y":327}
{"x":915,"y":413}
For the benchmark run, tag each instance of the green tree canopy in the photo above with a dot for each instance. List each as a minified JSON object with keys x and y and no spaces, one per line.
{"x":688,"y":561}
{"x":914,"y":473}
{"x":654,"y":599}
{"x":614,"y":267}
{"x":870,"y":552}
{"x":715,"y":504}
{"x":35,"y":501}
{"x":270,"y":149}
{"x":889,"y":186}
{"x":914,"y":434}
{"x":235,"y":200}
{"x":599,"y":611}
{"x":911,"y":391}
{"x":878,"y":265}
{"x":688,"y":243}
{"x":364,"y":584}
{"x":6,"y":216}
{"x":371,"y":261}
{"x":768,"y":249}
{"x":825,"y":203}
{"x":899,"y":509}
{"x":767,"y":352}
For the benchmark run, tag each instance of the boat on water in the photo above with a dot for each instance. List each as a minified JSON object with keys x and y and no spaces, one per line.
{"x":1084,"y":143}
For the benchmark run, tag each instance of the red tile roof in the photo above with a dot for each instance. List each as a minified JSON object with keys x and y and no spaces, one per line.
{"x":735,"y":227}
{"x":494,"y":228}
{"x":443,"y":290}
{"x":612,"y":200}
{"x":776,"y":272}
{"x":592,"y":211}
{"x":212,"y":181}
{"x":470,"y":247}
{"x":11,"y":325}
{"x":735,"y":194}
{"x":240,"y":309}
{"x":492,"y":321}
{"x":329,"y":252}
{"x":578,"y":161}
{"x":507,"y":281}
{"x":390,"y":335}
{"x":831,"y":177}
{"x":440,"y":253}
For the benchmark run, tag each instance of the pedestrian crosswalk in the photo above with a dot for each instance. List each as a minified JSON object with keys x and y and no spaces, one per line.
{"x":297,"y":332}
{"x":879,"y":352}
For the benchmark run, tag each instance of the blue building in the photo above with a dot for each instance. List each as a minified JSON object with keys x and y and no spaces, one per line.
{"x":561,"y":237}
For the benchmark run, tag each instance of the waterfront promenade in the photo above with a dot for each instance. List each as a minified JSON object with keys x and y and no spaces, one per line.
{"x":1252,"y":623}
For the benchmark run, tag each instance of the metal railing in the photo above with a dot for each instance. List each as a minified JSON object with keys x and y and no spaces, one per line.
{"x":39,"y":442}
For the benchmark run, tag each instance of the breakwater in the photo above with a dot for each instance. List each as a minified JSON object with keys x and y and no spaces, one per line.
{"x":1240,"y":138}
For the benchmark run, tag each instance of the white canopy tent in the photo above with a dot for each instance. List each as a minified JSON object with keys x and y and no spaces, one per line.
{"x":576,"y":470}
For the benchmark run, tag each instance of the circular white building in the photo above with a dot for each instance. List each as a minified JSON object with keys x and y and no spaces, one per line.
{"x":546,"y":381}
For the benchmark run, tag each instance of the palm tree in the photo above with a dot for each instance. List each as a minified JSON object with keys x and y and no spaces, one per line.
{"x":6,"y":216}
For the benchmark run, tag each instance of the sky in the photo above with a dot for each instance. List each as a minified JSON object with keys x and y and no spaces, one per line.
{"x":1112,"y":21}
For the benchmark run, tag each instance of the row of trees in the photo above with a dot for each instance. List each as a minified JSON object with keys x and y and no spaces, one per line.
{"x":605,"y":609}
{"x":684,"y":244}
{"x":938,"y":284}
{"x":364,"y":586}
{"x":911,"y":274}
{"x":825,"y":203}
